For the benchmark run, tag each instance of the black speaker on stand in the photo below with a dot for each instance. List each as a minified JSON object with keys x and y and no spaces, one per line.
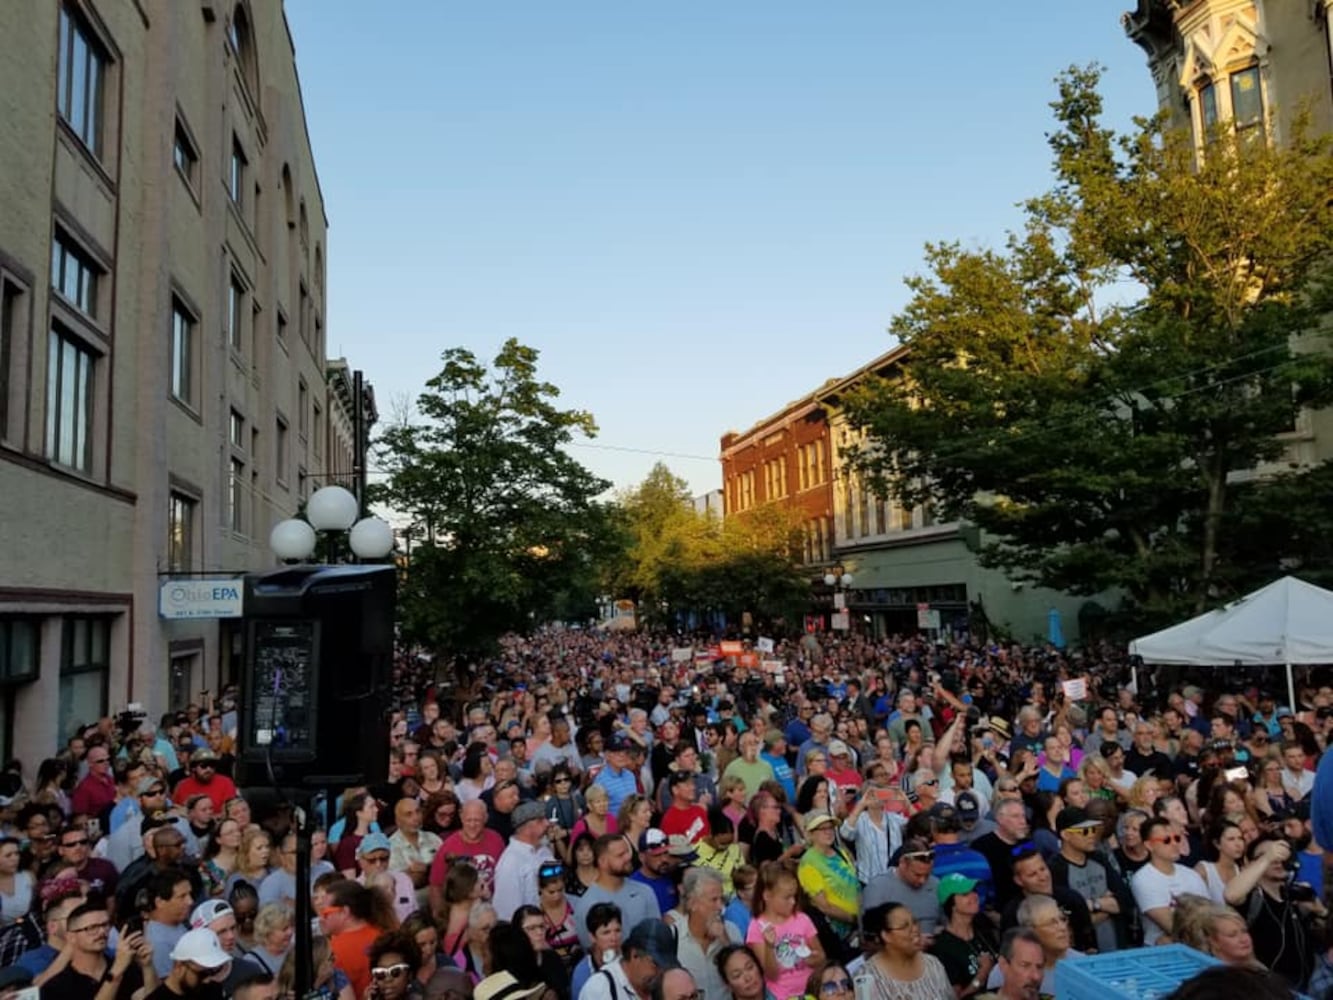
{"x":315,"y":696}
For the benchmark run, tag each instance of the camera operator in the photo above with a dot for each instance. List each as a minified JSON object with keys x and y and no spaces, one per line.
{"x":1279,"y":912}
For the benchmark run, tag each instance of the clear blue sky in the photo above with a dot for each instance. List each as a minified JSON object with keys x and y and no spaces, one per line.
{"x":697,"y":211}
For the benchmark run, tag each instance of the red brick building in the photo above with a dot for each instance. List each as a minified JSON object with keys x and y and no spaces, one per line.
{"x":785,"y":458}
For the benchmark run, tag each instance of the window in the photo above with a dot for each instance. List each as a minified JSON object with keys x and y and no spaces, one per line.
{"x":302,"y":485}
{"x":182,"y":353}
{"x":236,"y":496}
{"x":881,"y":519}
{"x":848,"y":512}
{"x":180,"y":532}
{"x":80,"y":74}
{"x":236,"y":314}
{"x":184,"y":155}
{"x":236,"y":178}
{"x":18,"y":649}
{"x":180,"y":680}
{"x":1208,"y":106}
{"x":280,"y":454}
{"x":863,"y":510}
{"x":1247,"y":102}
{"x":317,"y":422}
{"x":11,"y":326}
{"x":282,"y":329}
{"x":69,"y":403}
{"x":302,"y":402}
{"x":303,"y":314}
{"x":74,"y":275}
{"x":236,"y":430}
{"x":85,"y":661}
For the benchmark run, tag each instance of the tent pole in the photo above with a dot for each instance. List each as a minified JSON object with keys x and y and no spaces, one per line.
{"x":1291,"y":690}
{"x":1134,"y":677}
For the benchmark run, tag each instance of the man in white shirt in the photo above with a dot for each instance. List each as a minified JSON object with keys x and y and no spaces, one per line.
{"x":647,"y":953}
{"x":412,"y":849}
{"x":1296,"y":780}
{"x":516,"y":871}
{"x":1158,"y":884}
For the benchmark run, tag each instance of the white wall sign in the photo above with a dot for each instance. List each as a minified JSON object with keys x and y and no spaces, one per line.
{"x":203,"y":598}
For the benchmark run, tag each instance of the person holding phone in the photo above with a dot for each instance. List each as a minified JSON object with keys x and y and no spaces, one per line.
{"x":874,"y":831}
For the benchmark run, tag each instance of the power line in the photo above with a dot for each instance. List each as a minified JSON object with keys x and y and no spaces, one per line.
{"x":645,"y":451}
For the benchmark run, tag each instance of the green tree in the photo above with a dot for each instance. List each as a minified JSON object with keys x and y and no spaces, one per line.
{"x":681,"y":561}
{"x":1088,"y":395}
{"x":514,"y":533}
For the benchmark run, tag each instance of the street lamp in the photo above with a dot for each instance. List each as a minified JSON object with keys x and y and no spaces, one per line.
{"x":331,"y":510}
{"x":840,"y":582}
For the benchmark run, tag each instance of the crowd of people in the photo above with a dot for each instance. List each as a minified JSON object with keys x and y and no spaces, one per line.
{"x":592,"y":816}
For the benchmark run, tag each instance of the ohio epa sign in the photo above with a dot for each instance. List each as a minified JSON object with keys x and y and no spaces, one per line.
{"x":203,"y":598}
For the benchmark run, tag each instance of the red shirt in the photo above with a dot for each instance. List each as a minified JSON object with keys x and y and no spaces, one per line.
{"x":690,"y":822}
{"x":219,"y":789}
{"x":92,"y":795}
{"x":483,"y":856}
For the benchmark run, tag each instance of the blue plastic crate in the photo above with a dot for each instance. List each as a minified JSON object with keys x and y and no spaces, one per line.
{"x":1134,"y":974}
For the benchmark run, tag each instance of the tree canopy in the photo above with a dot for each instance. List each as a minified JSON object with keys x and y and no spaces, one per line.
{"x":1097,"y":395}
{"x":681,"y":562}
{"x":514,"y":534}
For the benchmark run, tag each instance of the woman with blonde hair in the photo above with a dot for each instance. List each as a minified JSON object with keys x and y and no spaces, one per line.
{"x":274,"y":931}
{"x":634,"y":818}
{"x":1096,"y":777}
{"x":252,"y":858}
{"x":598,"y":819}
{"x":1143,"y":793}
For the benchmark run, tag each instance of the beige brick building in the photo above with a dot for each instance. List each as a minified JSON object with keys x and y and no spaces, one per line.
{"x":163,"y":381}
{"x":1254,"y":64}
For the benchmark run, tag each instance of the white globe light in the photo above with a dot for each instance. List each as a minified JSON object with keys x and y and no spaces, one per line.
{"x":830,"y":579}
{"x":332,"y":509}
{"x":846,"y":579}
{"x":371,"y":538}
{"x":292,"y":540}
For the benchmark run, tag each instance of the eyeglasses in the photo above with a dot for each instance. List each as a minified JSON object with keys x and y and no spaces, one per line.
{"x":396,"y":971}
{"x":103,"y":926}
{"x":836,"y":986}
{"x":1170,"y":838}
{"x":562,"y":780}
{"x":932,"y":781}
{"x":375,"y":859}
{"x":910,"y":925}
{"x":1058,"y":920}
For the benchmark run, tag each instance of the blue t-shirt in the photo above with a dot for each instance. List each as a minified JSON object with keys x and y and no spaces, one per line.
{"x":663,"y":888}
{"x":783,"y":772}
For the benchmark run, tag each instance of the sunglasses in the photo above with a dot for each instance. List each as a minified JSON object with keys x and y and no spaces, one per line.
{"x":1170,"y":838}
{"x":550,"y":871}
{"x":375,"y":859}
{"x":396,"y":971}
{"x":75,"y":843}
{"x":836,"y":986}
{"x":927,"y":856}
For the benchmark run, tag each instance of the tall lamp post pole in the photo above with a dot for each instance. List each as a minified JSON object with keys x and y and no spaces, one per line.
{"x":841,"y":583}
{"x":333,"y":512}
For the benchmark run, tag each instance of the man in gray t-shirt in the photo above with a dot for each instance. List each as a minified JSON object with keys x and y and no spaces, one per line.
{"x":910,"y":883}
{"x":637,"y":902}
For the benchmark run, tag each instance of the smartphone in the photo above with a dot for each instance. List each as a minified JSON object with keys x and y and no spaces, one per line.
{"x":28,"y":993}
{"x":1236,"y":774}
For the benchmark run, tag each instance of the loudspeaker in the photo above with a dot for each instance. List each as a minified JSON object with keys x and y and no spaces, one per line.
{"x":318,"y":674}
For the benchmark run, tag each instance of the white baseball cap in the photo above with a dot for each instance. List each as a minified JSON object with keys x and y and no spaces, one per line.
{"x":202,"y":947}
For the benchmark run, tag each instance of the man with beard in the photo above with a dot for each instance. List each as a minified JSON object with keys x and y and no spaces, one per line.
{"x":615,"y":864}
{"x":89,"y":972}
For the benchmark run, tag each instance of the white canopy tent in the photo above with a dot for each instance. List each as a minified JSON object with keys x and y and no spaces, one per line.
{"x":1287,"y":622}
